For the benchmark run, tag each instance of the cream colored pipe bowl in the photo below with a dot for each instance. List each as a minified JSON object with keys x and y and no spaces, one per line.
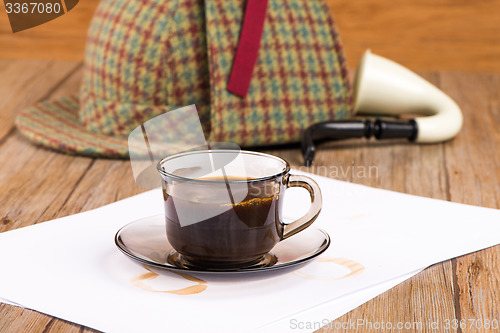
{"x":383,"y":87}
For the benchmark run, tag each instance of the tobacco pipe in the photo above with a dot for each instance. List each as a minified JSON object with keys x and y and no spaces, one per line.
{"x":385,"y":88}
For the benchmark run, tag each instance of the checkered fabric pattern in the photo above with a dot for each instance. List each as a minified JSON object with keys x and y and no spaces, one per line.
{"x":143,"y":58}
{"x":146,"y":57}
{"x":300,"y":77}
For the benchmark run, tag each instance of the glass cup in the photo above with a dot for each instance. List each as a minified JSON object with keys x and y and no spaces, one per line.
{"x":223,"y":208}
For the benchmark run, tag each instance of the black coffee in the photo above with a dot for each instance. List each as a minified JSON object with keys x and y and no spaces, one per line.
{"x":234,"y":231}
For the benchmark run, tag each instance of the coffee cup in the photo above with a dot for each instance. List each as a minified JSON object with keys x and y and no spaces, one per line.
{"x":224,"y":208}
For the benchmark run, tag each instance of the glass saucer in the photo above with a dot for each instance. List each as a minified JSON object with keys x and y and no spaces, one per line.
{"x":146,"y":241}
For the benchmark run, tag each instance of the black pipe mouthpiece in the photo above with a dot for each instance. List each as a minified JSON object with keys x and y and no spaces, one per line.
{"x":338,"y":130}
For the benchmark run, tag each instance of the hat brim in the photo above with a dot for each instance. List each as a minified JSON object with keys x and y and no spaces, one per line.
{"x":55,"y":125}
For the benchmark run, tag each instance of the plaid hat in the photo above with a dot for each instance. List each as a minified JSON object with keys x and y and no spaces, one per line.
{"x":144,"y":58}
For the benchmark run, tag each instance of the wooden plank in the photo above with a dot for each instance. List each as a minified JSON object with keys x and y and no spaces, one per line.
{"x":105,"y":182}
{"x":34,"y":322}
{"x":473,"y":159}
{"x":473,"y":166}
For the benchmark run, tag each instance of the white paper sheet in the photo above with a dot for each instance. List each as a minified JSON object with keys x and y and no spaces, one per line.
{"x":71,"y":269}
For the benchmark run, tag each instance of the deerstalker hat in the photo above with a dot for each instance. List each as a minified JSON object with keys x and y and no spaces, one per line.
{"x":145,"y":58}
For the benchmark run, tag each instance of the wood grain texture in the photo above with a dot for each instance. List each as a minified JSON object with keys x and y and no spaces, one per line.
{"x":37,"y":185}
{"x":473,"y":163}
{"x":421,"y":34}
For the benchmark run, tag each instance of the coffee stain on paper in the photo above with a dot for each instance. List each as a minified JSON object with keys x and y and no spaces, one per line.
{"x":354,"y":267}
{"x":198,"y":288}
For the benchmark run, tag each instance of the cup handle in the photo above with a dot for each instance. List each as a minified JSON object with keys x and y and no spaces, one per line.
{"x":310,"y":185}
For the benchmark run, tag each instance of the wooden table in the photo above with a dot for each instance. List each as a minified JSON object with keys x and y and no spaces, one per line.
{"x":422,"y":34}
{"x":37,"y":185}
